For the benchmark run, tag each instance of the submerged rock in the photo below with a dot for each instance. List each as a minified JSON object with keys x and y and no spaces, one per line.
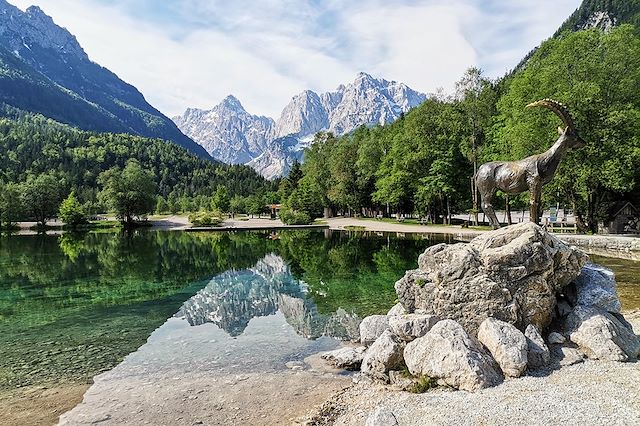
{"x":372,"y":327}
{"x":507,"y":345}
{"x":511,"y":274}
{"x":447,"y":352}
{"x":537,"y":351}
{"x":383,"y":355}
{"x":411,"y":326}
{"x":600,"y":335}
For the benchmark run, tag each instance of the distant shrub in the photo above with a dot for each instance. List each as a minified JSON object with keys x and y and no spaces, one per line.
{"x":293,"y":217}
{"x":204,"y":219}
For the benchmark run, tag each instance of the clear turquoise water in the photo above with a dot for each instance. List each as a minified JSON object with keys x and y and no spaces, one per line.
{"x":74,"y":306}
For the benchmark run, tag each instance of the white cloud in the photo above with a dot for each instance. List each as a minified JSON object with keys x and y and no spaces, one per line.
{"x":192,"y":53}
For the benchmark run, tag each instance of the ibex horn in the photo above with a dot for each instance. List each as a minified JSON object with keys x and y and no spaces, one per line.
{"x":559,"y":109}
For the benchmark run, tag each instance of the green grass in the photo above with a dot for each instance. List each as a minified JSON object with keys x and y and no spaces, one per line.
{"x":354,"y":228}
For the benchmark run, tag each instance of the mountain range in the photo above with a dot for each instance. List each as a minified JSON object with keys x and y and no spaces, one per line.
{"x":232,"y":135}
{"x":43,"y":69}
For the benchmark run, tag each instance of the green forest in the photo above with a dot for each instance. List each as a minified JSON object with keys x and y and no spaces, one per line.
{"x":423,"y":163}
{"x":44,"y":161}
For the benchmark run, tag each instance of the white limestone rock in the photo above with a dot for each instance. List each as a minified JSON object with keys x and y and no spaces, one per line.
{"x":600,"y":335}
{"x":372,"y":327}
{"x":411,"y":326}
{"x":383,"y":355}
{"x":447,"y":352}
{"x":347,"y":358}
{"x":507,"y":345}
{"x":596,"y":286}
{"x":538,"y":354}
{"x":511,"y":274}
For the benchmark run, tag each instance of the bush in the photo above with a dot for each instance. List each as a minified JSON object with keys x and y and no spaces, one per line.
{"x":293,"y":217}
{"x":72,"y":212}
{"x":204,"y":219}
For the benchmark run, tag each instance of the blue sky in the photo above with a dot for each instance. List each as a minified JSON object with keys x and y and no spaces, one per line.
{"x":192,"y":53}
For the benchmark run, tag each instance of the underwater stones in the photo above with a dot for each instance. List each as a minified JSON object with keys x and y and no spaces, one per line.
{"x":507,"y":345}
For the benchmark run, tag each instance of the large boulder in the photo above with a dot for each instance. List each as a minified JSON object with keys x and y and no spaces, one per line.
{"x":596,"y":286}
{"x":511,"y":274}
{"x":447,"y":352}
{"x":347,"y":358}
{"x":383,"y":355}
{"x":411,"y":326}
{"x":600,"y":335}
{"x":507,"y":345}
{"x":372,"y":327}
{"x":538,"y":354}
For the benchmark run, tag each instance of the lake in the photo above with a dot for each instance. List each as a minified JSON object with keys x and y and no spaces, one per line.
{"x":73,"y":306}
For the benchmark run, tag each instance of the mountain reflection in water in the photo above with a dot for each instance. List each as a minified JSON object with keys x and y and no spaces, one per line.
{"x":231,"y":299}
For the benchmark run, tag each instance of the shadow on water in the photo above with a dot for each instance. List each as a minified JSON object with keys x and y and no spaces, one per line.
{"x":72,"y":306}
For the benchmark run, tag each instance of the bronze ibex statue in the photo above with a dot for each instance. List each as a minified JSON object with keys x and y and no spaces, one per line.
{"x":531,"y":173}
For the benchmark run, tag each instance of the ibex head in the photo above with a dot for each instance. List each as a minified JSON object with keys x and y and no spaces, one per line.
{"x":570,"y":133}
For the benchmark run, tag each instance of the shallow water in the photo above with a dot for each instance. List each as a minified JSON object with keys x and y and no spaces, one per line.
{"x":74,"y":306}
{"x":627,"y":277}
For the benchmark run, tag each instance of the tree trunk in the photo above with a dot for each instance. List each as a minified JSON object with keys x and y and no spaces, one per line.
{"x":474,"y":191}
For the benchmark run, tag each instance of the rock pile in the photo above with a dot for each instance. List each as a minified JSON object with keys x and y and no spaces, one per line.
{"x":474,"y":314}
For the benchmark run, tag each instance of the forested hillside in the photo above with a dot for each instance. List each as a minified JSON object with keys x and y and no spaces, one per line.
{"x":33,"y":145}
{"x":601,"y":14}
{"x":424,"y":162}
{"x":44,"y":70}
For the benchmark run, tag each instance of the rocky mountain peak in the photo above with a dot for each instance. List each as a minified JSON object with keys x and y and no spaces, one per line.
{"x":231,"y":134}
{"x":228,"y":132}
{"x":305,"y":114}
{"x":233,"y":103}
{"x":21,"y":31}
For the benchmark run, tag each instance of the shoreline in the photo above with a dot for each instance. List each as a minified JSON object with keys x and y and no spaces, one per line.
{"x":590,"y":392}
{"x":620,"y":246}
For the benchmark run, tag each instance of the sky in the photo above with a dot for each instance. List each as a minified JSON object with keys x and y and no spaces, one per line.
{"x":193,"y":53}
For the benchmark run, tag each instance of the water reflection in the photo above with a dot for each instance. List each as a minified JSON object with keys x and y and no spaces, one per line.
{"x":230,"y":300}
{"x":72,"y":306}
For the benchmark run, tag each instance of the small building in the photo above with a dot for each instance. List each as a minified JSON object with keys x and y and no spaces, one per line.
{"x":624,"y":219}
{"x":274,"y":210}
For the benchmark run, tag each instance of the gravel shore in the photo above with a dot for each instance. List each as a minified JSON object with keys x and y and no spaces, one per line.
{"x":589,"y":393}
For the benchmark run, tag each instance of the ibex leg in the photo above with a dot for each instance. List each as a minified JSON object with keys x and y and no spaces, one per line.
{"x":487,"y":207}
{"x":535,"y":194}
